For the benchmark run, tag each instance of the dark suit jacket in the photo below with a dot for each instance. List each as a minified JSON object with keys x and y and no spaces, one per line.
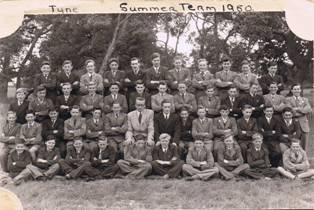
{"x":20,"y":110}
{"x":170,"y":155}
{"x":92,"y":128}
{"x":108,"y":101}
{"x":109,"y":153}
{"x":255,"y":102}
{"x":118,"y":78}
{"x":62,"y":78}
{"x":132,"y":99}
{"x":77,"y":158}
{"x":51,"y":156}
{"x":258,"y":159}
{"x":293,"y":131}
{"x":219,"y":127}
{"x":50,"y":84}
{"x":266,"y":80}
{"x":65,"y":113}
{"x":267,"y":128}
{"x":234,"y":107}
{"x":131,"y":76}
{"x":151,"y":75}
{"x":234,"y":156}
{"x":21,"y":161}
{"x":186,"y":130}
{"x":170,"y":126}
{"x":48,"y":128}
{"x":250,"y":127}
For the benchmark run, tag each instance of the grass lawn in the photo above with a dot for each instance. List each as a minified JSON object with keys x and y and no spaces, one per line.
{"x":168,"y":194}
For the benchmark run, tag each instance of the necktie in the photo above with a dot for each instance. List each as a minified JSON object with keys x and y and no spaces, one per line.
{"x":140,"y":118}
{"x":96,"y":121}
{"x":68,"y":76}
{"x":298,"y":102}
{"x":46,"y":77}
{"x":99,"y":156}
{"x":90,"y":77}
{"x":117,"y":115}
{"x":74,"y":123}
{"x":203,"y":75}
{"x":183,"y":96}
{"x":184,"y":122}
{"x":232,"y":101}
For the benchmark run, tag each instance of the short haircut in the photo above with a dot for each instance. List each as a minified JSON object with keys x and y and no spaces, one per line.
{"x":67,"y":62}
{"x":210,"y":86}
{"x":135,"y":59}
{"x":202,"y":60}
{"x":114,"y":83}
{"x":273,"y":83}
{"x":91,"y":84}
{"x":139,"y":99}
{"x":177,"y":57}
{"x":267,"y":106}
{"x":287,"y":109}
{"x":245,"y":62}
{"x":52,"y":109}
{"x":296,"y":84}
{"x":233,"y":87}
{"x":162,"y":83}
{"x":253,"y":83}
{"x":246,"y":106}
{"x":76,"y":107}
{"x":44,"y":63}
{"x":67,"y":83}
{"x":40,"y":88}
{"x":97,"y":109}
{"x":165,"y":101}
{"x":200,"y":107}
{"x":89,"y":61}
{"x":223,"y":107}
{"x":155,"y":55}
{"x":184,"y":108}
{"x":271,"y":63}
{"x":78,"y":138}
{"x":113,"y":60}
{"x":29,"y":111}
{"x":257,"y":135}
{"x":225,"y":59}
{"x":295,"y":140}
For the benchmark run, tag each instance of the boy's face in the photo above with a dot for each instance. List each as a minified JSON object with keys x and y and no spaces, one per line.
{"x":66,"y":89}
{"x":67,"y":68}
{"x":114,"y":89}
{"x":20,"y":148}
{"x":201,"y":113}
{"x":232,"y":92}
{"x":75,"y":112}
{"x":287,"y":115}
{"x":92,"y":88}
{"x":140,"y":143}
{"x":78,"y":144}
{"x":177,"y":63}
{"x":53,"y":114}
{"x":296,"y":90}
{"x":162,"y":88}
{"x":245,"y":68}
{"x":258,"y":142}
{"x":140,"y":88}
{"x":224,"y":113}
{"x":41,"y":94}
{"x":273,"y":88}
{"x":166,"y":107}
{"x":90,"y":67}
{"x":226,"y":65}
{"x":182,"y":88}
{"x":156,"y":62}
{"x":229,"y":142}
{"x":247,"y":113}
{"x":102,"y":144}
{"x":164,"y":142}
{"x":50,"y":144}
{"x":253,"y":89}
{"x":272,"y":69}
{"x":269,"y":112}
{"x":20,"y":96}
{"x":135,"y":65}
{"x":198,"y":144}
{"x":140,"y":105}
{"x":184,"y":114}
{"x":96,"y":114}
{"x":30,"y":117}
{"x":114,"y":66}
{"x":210,"y":92}
{"x":202,"y":66}
{"x":295,"y":146}
{"x":116,"y":108}
{"x":45,"y":69}
{"x":11,"y":117}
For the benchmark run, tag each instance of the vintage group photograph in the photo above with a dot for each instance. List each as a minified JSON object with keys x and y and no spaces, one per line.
{"x":157,"y":111}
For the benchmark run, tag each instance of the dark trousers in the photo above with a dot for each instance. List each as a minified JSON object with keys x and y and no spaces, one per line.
{"x":172,"y":170}
{"x":275,"y":155}
{"x":76,"y":170}
{"x":258,"y":173}
{"x":244,"y":145}
{"x":106,"y":171}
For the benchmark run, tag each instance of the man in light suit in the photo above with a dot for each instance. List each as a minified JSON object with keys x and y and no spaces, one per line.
{"x":155,"y":74}
{"x":271,"y":77}
{"x":301,"y":108}
{"x":202,"y":79}
{"x":275,"y":100}
{"x":184,"y":99}
{"x":114,"y":75}
{"x":177,"y":75}
{"x":91,"y":101}
{"x":226,"y":77}
{"x":160,"y":96}
{"x":74,"y":126}
{"x":91,"y":76}
{"x":202,"y":128}
{"x":140,"y":121}
{"x":116,"y":125}
{"x":245,"y":78}
{"x":210,"y":101}
{"x":115,"y":96}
